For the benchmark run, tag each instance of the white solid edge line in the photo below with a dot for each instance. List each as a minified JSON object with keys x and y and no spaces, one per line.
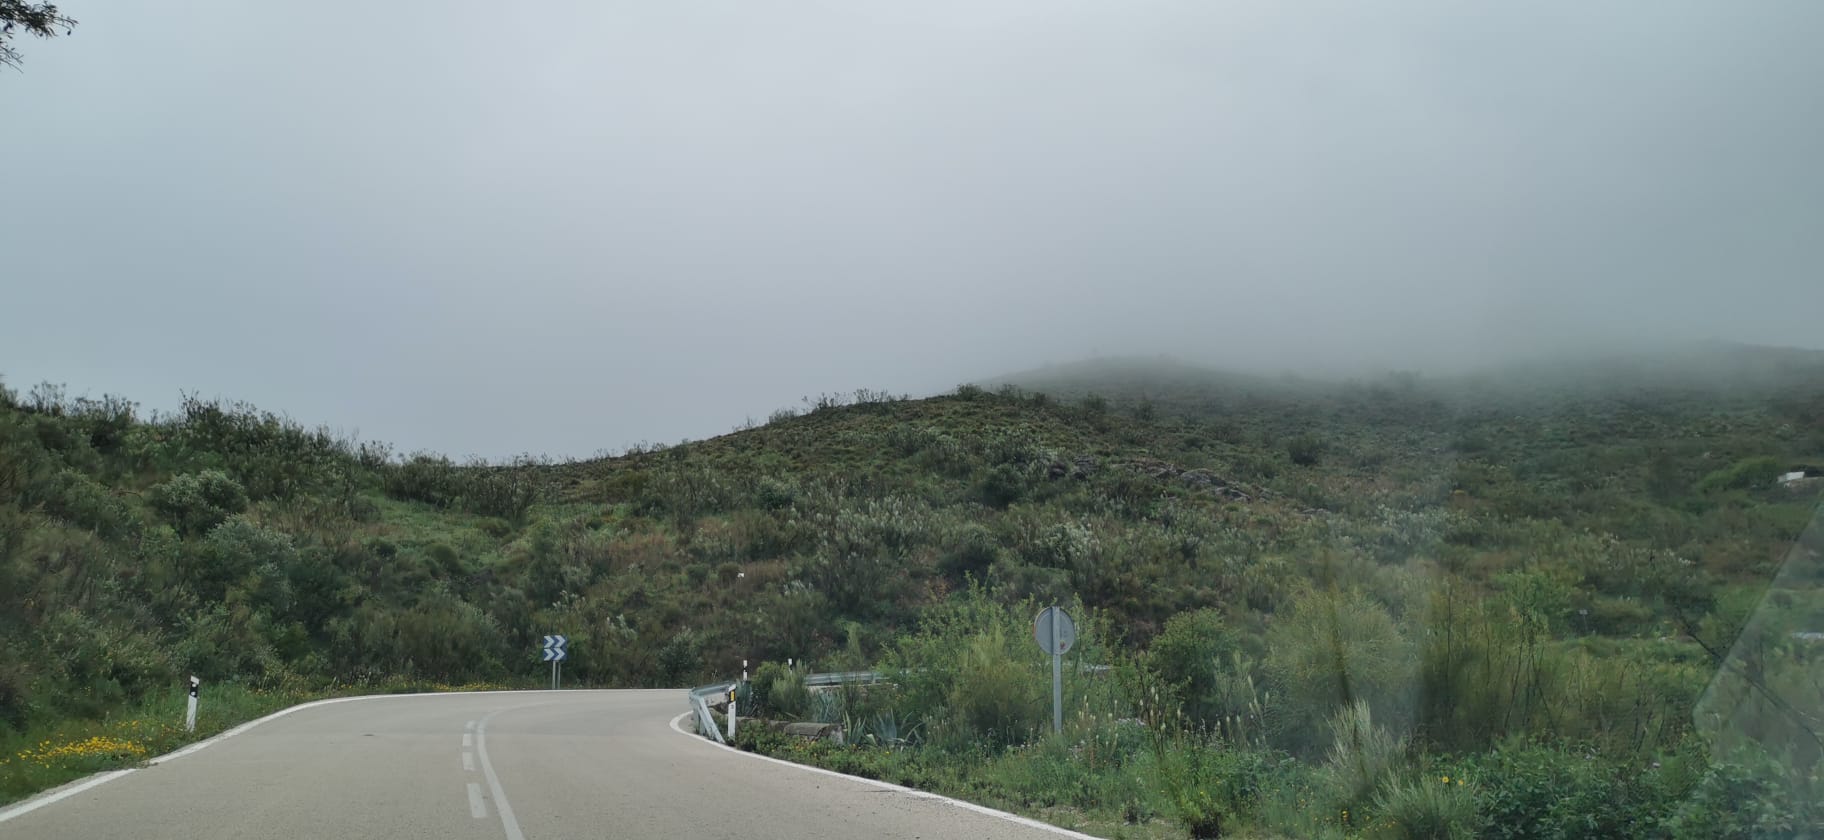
{"x":508,"y":824}
{"x":58,"y":794}
{"x":26,"y":806}
{"x":921,"y":794}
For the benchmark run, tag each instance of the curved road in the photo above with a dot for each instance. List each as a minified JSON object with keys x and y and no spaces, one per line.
{"x":490,"y":766}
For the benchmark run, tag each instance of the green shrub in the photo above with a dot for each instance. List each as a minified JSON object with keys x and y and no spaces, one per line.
{"x":269,"y":455}
{"x":1331,"y":649}
{"x":489,"y":491}
{"x":763,"y":740}
{"x":680,"y":659}
{"x":1190,"y":656}
{"x":1428,"y":808}
{"x":1536,"y":792}
{"x":776,"y":493}
{"x":779,"y":692}
{"x":80,"y":502}
{"x":1362,"y":755}
{"x":1211,"y":790}
{"x":968,"y":552}
{"x":1745,"y":474}
{"x":1004,"y":485}
{"x":1305,"y":450}
{"x":249,"y":558}
{"x":444,"y":638}
{"x":994,"y":699}
{"x":196,"y":502}
{"x":1749,"y":795}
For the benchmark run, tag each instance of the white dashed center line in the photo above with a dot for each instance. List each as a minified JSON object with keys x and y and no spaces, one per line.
{"x":477,"y":808}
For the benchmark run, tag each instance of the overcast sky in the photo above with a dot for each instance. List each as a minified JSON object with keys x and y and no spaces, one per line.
{"x":597,"y":223}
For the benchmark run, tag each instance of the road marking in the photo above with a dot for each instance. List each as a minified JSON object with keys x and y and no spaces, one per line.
{"x":19,"y":809}
{"x":507,"y":823}
{"x":31,"y":805}
{"x":468,"y":740}
{"x":477,"y":808}
{"x":468,"y":761}
{"x":470,"y":725}
{"x":914,"y":792}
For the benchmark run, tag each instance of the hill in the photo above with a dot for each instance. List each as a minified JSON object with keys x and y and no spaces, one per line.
{"x":1610,"y":525}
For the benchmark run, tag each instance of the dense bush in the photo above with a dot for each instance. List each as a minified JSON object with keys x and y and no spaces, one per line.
{"x":196,"y":502}
{"x":489,"y":491}
{"x":1743,"y":475}
{"x":1427,"y":808}
{"x":81,"y":502}
{"x":1305,"y":450}
{"x":1332,"y":650}
{"x":1194,"y":654}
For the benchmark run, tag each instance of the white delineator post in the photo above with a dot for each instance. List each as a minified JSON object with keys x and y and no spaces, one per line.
{"x":190,"y":714}
{"x":731,"y":714}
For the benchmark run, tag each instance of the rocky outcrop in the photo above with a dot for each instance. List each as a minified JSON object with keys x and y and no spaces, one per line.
{"x":1199,"y":479}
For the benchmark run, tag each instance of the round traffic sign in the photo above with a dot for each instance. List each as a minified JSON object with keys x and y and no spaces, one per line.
{"x":1055,"y":631}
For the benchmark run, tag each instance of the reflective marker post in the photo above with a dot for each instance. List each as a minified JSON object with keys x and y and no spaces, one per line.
{"x":190,"y":714}
{"x":731,"y":714}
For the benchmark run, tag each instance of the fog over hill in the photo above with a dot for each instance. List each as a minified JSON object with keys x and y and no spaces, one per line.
{"x":649,"y":221}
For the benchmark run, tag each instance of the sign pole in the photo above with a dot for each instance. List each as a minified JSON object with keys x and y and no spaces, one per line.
{"x":1055,"y":633}
{"x":190,"y":714}
{"x":1057,"y":682}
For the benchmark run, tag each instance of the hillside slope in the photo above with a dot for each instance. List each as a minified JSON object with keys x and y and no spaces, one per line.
{"x":230,"y":543}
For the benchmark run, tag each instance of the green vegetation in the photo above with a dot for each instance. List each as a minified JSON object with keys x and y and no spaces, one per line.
{"x":1306,"y":604}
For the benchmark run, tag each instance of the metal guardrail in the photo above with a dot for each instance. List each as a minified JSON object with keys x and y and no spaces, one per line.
{"x":699,"y":703}
{"x":701,"y":696}
{"x":841,"y":678}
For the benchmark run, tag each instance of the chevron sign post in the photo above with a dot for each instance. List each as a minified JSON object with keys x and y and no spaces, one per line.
{"x":556,"y":654}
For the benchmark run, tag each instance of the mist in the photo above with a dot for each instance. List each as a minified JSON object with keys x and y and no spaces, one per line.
{"x":608,"y":223}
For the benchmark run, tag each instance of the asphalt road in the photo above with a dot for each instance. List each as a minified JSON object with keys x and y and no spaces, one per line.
{"x":488,"y":766}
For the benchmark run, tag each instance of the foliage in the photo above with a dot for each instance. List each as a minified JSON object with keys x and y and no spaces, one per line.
{"x":1191,"y":655}
{"x":1428,"y":808}
{"x":779,"y":692}
{"x":1742,"y":475}
{"x":1362,"y":755}
{"x":40,"y":19}
{"x":1337,"y":649}
{"x":196,"y":502}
